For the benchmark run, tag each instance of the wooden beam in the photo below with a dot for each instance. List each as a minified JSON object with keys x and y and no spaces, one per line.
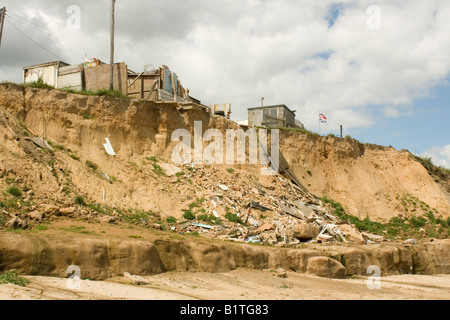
{"x":151,"y":91}
{"x":174,"y":88}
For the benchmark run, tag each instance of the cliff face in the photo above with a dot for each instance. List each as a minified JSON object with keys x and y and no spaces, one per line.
{"x":368,"y":180}
{"x":101,"y":259}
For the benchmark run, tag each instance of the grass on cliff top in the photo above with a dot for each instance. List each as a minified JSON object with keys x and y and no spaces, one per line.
{"x":427,"y":162}
{"x":37,"y":84}
{"x":100,"y":93}
{"x":398,"y":227}
{"x":304,"y":131}
{"x":103,"y":92}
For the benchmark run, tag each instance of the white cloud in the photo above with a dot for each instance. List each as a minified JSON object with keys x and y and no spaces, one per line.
{"x":238,"y":51}
{"x":439,"y":155}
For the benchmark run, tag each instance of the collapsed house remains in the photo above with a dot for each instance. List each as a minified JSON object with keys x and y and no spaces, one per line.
{"x":279,"y":212}
{"x":159,"y":84}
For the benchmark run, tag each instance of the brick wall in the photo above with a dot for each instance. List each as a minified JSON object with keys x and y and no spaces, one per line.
{"x":97,"y":78}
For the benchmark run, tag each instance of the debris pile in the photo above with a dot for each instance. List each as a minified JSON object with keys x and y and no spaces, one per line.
{"x":276,"y":210}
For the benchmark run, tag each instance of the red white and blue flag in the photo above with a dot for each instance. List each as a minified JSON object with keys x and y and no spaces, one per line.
{"x":322,"y":118}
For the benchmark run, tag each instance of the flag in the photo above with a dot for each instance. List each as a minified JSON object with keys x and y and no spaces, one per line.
{"x":322,"y":118}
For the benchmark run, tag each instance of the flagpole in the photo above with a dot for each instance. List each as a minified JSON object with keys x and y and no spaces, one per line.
{"x":320,"y":131}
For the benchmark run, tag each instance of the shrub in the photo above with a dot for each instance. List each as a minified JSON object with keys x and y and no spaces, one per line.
{"x":196,"y":203}
{"x":209,"y":218}
{"x":79,"y":200}
{"x":158,"y":170}
{"x":188,"y":215}
{"x":365,"y":225}
{"x":431,"y":217}
{"x":418,"y":221}
{"x":154,"y":159}
{"x":138,"y":217}
{"x":38,"y":84}
{"x":171,"y":220}
{"x":442,"y":222}
{"x":91,"y":165}
{"x":15,"y":192}
{"x":233,"y":217}
{"x":12,"y":278}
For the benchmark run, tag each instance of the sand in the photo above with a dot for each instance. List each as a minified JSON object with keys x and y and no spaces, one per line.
{"x":237,"y":285}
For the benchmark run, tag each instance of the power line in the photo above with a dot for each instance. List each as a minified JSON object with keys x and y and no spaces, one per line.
{"x":58,"y":37}
{"x":43,"y":48}
{"x":54,"y":35}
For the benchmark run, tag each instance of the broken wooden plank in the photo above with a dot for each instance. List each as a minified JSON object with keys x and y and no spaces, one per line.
{"x":292,"y":212}
{"x":40,"y":142}
{"x":258,"y":206}
{"x":151,"y":91}
{"x":293,"y":190}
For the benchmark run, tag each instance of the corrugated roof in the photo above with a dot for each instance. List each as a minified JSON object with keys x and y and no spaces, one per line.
{"x":47,"y":64}
{"x":270,"y":107}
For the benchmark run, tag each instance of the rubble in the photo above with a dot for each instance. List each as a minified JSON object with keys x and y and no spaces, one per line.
{"x":16,"y":223}
{"x":280,"y":273}
{"x":277,"y":211}
{"x":169,"y":169}
{"x":136,"y":280}
{"x":40,"y":142}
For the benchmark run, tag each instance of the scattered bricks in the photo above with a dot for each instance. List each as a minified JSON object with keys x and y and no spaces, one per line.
{"x":49,"y":209}
{"x":265,"y":227}
{"x":107,"y":219}
{"x":67,"y":212}
{"x":36,"y":216}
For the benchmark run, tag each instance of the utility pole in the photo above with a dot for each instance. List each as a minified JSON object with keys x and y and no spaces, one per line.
{"x":2,"y":22}
{"x":113,"y":5}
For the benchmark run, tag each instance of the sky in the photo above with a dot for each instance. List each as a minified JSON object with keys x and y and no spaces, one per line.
{"x":381,"y":69}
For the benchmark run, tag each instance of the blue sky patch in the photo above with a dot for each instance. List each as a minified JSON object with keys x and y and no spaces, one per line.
{"x":334,"y":11}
